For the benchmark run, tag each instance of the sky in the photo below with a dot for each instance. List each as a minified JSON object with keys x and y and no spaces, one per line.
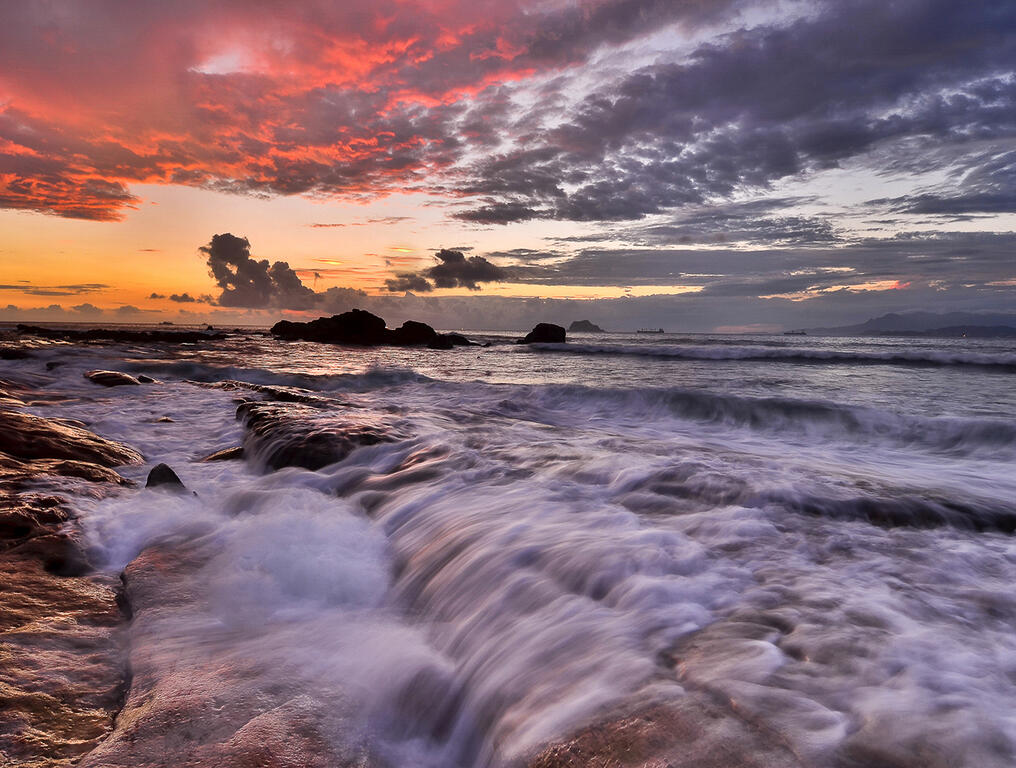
{"x":698,"y":165}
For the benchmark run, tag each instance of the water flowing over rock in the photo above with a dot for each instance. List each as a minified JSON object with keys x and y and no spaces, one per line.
{"x":295,"y":435}
{"x":545,"y":333}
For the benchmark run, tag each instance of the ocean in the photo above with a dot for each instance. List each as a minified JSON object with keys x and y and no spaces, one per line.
{"x":812,"y":534}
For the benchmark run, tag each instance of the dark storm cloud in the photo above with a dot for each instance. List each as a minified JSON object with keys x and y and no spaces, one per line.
{"x":246,"y":282}
{"x":453,"y":270}
{"x":456,"y":270}
{"x":763,"y":104}
{"x":408,"y":282}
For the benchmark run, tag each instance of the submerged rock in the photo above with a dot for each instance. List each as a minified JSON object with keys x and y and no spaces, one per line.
{"x":111,"y":378}
{"x":545,"y":333}
{"x":162,"y":475}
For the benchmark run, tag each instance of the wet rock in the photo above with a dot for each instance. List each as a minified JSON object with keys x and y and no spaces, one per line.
{"x":147,"y":379}
{"x":61,"y":664}
{"x":692,"y":732}
{"x":226,"y":454}
{"x":164,"y":420}
{"x":222,"y":706}
{"x":62,"y":674}
{"x":163,"y":476}
{"x":293,"y":435}
{"x":545,"y":333}
{"x":25,"y":436}
{"x":84,"y":470}
{"x":111,"y":378}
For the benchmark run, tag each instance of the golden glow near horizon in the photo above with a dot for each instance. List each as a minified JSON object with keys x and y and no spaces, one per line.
{"x":154,"y":250}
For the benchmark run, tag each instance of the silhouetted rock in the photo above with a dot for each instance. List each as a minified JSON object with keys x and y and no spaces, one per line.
{"x":162,"y":475}
{"x":456,"y":340}
{"x":361,"y":328}
{"x":111,"y":378}
{"x":118,"y":334}
{"x":226,"y":454}
{"x":545,"y":333}
{"x":584,"y":326}
{"x":412,"y":333}
{"x":357,"y":327}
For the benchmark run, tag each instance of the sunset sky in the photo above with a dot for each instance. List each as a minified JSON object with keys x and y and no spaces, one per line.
{"x":697,"y":164}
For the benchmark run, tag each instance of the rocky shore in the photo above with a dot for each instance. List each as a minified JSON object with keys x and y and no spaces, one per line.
{"x":63,"y":670}
{"x":92,"y":673}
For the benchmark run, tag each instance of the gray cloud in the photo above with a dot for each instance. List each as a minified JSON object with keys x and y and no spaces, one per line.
{"x":764,"y":104}
{"x":182,"y":298}
{"x":246,"y":282}
{"x":453,"y":270}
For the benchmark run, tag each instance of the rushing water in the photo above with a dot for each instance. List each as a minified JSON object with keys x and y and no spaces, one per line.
{"x":555,"y":531}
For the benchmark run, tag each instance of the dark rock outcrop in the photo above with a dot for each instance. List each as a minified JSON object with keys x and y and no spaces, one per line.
{"x":545,"y":333}
{"x":361,"y":328}
{"x":111,"y":378}
{"x":356,"y":327}
{"x":147,"y":379}
{"x":163,"y":476}
{"x":118,"y":334}
{"x":294,"y":435}
{"x":412,"y":333}
{"x":584,"y":326}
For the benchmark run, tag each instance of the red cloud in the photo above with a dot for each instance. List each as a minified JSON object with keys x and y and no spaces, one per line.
{"x":350,"y":99}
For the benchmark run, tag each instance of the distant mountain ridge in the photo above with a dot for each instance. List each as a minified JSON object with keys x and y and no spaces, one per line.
{"x":928,"y":324}
{"x":584,"y":326}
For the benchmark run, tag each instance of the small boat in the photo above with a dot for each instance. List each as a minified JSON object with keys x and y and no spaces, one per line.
{"x":649,"y":330}
{"x":795,"y":333}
